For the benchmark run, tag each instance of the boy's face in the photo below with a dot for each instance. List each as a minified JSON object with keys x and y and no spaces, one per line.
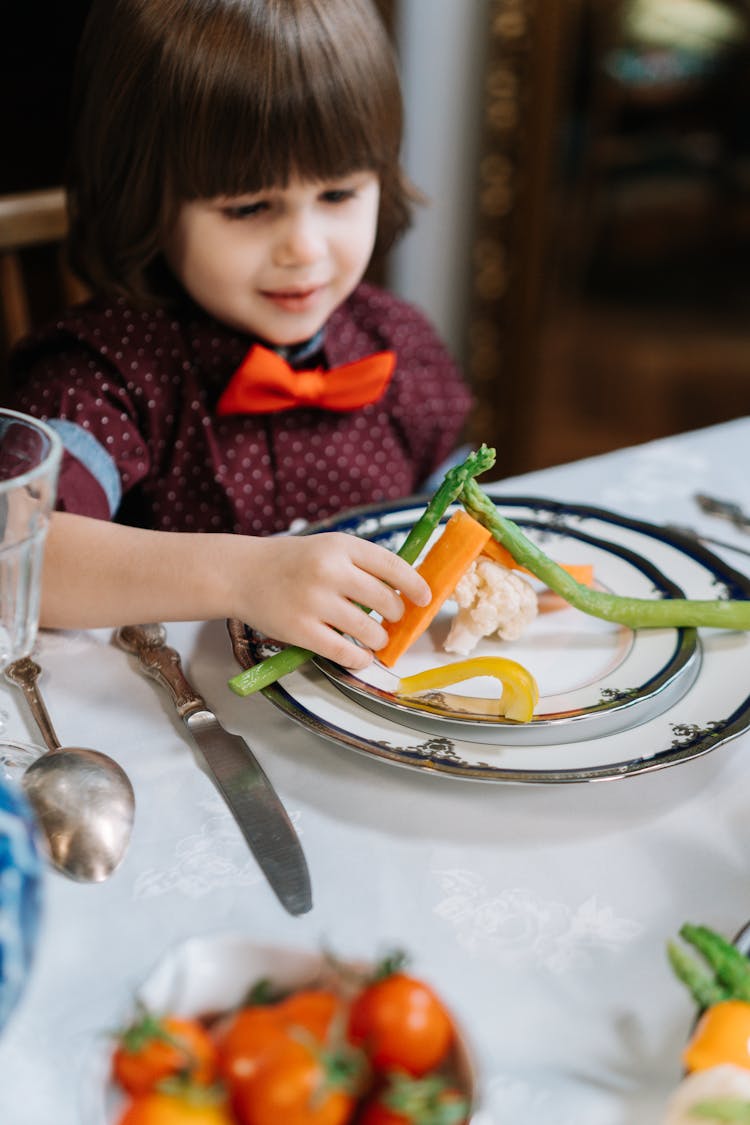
{"x":277,"y":264}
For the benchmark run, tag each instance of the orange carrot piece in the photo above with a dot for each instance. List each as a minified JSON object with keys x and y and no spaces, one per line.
{"x":582,"y":572}
{"x":499,"y":554}
{"x":446,"y":561}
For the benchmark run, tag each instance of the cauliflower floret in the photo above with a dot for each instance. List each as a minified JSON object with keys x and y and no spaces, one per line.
{"x":725,"y":1081}
{"x":491,"y":599}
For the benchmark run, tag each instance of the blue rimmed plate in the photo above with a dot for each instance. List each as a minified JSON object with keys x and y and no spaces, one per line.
{"x":595,"y":677}
{"x":710,"y":704}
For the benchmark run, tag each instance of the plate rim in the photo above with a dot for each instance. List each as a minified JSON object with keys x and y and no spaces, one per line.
{"x":681,"y":664}
{"x":692,"y":745}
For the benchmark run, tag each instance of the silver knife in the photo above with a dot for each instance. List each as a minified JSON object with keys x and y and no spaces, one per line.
{"x":252,"y":800}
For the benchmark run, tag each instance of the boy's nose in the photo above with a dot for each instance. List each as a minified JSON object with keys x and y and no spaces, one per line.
{"x":300,"y":241}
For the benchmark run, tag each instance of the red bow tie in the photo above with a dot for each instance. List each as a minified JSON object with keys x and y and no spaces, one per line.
{"x":264,"y":383}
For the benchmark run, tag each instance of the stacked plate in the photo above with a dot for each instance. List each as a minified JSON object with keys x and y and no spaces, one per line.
{"x":613,"y":702}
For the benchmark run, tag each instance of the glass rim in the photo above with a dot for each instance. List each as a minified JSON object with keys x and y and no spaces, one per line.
{"x":50,"y":461}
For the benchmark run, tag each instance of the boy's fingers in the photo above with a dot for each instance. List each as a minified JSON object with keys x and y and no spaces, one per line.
{"x":377,"y":596}
{"x":341,"y":650}
{"x":365,"y":629}
{"x":416,"y":589}
{"x":396,"y":573}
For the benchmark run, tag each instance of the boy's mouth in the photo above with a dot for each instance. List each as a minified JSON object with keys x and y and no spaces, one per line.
{"x":294,"y":300}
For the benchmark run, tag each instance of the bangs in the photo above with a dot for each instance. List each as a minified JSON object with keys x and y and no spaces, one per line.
{"x":176,"y":100}
{"x":305,"y":92}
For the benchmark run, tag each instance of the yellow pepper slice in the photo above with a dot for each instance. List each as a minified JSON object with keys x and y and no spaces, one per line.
{"x":520,"y":689}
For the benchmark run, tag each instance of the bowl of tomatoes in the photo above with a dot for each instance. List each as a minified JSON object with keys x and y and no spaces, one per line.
{"x":229,"y":1032}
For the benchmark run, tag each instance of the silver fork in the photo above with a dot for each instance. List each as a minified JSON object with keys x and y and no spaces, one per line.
{"x":724,"y":509}
{"x":691,"y":533}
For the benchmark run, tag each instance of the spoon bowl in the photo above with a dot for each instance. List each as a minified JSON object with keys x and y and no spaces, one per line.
{"x":82,"y":799}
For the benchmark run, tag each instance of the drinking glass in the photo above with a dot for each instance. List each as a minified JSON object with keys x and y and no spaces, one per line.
{"x":30,"y":454}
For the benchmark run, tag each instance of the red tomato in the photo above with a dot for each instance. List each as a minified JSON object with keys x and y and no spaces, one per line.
{"x":296,"y":1086}
{"x":253,"y":1032}
{"x":154,"y":1048}
{"x":415,"y":1101}
{"x":401,"y":1024}
{"x":174,"y":1109}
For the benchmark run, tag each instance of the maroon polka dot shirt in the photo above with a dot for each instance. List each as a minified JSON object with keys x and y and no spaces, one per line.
{"x":133,"y":396}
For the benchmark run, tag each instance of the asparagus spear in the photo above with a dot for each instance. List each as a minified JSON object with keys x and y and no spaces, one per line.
{"x":638,"y":613}
{"x":704,"y":989}
{"x":732,"y":968}
{"x":282,"y":663}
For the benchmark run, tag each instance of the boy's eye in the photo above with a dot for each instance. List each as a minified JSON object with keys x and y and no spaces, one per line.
{"x":338,"y":195}
{"x":244,"y":210}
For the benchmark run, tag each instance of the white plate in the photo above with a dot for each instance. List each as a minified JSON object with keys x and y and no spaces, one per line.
{"x":208,"y":975}
{"x":595,"y":677}
{"x":714,"y":710}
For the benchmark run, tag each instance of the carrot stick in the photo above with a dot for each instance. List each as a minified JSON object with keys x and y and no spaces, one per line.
{"x":447,"y":560}
{"x":262,"y":675}
{"x":582,"y":572}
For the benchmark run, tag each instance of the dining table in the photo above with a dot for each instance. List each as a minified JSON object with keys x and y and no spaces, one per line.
{"x":539,"y":912}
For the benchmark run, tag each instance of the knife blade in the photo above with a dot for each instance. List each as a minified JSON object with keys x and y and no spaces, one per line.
{"x":238,"y":775}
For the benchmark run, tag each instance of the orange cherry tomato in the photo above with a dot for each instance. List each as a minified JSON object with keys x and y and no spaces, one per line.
{"x":311,"y":1008}
{"x":154,"y":1048}
{"x":401,"y":1024}
{"x":175,"y":1109}
{"x":295,"y":1085}
{"x":722,"y":1035}
{"x":251,"y":1033}
{"x":246,"y":1040}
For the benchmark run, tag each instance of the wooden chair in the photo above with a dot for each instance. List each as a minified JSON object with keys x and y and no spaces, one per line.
{"x":31,"y":220}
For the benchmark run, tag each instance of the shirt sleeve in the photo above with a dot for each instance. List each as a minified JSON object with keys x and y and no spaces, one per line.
{"x":85,"y":400}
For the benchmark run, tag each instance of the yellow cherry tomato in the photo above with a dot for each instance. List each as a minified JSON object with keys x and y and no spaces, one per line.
{"x":722,"y":1035}
{"x":520,"y":689}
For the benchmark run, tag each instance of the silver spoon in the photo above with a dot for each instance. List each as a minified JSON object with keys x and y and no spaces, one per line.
{"x":83,"y":800}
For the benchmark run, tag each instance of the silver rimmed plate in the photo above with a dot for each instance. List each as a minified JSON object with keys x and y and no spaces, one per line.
{"x":714,"y":710}
{"x":594,"y":677}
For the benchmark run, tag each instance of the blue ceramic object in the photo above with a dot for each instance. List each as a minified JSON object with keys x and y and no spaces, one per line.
{"x":20,"y":894}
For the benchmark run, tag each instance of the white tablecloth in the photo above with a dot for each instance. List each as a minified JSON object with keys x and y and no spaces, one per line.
{"x":541,"y":913}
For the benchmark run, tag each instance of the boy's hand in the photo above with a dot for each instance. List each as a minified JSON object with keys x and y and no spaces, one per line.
{"x":309,"y":590}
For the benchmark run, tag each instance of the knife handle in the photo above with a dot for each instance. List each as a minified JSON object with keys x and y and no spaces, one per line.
{"x":162,"y":663}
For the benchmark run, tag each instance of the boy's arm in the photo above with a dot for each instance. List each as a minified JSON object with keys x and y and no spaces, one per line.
{"x":98,"y":573}
{"x":303,"y":590}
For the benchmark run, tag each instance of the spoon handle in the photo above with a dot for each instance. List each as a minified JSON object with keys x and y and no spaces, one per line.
{"x":161,"y":662}
{"x":24,"y":673}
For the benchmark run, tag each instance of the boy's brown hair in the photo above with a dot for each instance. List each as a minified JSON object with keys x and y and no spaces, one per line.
{"x":190,"y":99}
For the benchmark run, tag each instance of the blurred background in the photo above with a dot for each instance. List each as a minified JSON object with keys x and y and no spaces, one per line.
{"x":586,"y":249}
